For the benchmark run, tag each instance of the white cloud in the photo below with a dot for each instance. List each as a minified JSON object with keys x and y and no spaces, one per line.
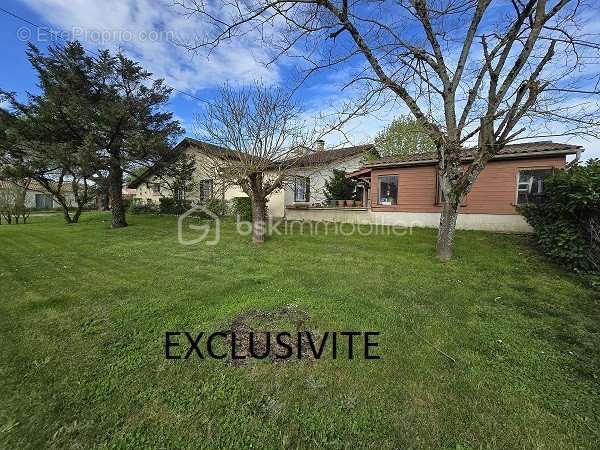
{"x":146,"y":29}
{"x":127,"y":21}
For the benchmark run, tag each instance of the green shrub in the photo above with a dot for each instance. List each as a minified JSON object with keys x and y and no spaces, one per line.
{"x":338,"y":187}
{"x":166,"y":205}
{"x":137,"y":207}
{"x":242,"y":207}
{"x":567,"y":223}
{"x":171,"y":206}
{"x":217,"y":207}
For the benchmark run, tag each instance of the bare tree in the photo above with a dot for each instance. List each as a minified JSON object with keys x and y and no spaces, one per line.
{"x":263,"y":129}
{"x":7,"y":204}
{"x":22,"y":212}
{"x":476,"y":74}
{"x":13,"y":205}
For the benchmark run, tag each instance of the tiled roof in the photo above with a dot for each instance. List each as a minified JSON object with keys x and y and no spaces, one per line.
{"x":309,"y":159}
{"x":325,"y":156}
{"x":524,"y":150}
{"x":212,"y":149}
{"x":208,"y":148}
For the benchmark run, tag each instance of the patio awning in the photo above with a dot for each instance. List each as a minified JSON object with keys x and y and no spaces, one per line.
{"x":363,"y":174}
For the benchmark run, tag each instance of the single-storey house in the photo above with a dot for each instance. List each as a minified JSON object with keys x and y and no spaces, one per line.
{"x":305,"y":185}
{"x":404,"y":190}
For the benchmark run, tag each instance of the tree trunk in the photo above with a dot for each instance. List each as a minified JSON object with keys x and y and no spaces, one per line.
{"x":103,"y":199}
{"x":259,"y":219}
{"x":77,"y":213}
{"x":116,"y":182}
{"x":451,"y":183}
{"x":445,"y":239}
{"x":66,"y":214}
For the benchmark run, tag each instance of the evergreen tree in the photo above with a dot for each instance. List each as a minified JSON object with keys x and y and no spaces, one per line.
{"x":94,"y":116}
{"x":338,"y":187}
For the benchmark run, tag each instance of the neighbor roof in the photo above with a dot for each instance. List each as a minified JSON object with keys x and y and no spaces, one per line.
{"x":34,"y":186}
{"x":513,"y":151}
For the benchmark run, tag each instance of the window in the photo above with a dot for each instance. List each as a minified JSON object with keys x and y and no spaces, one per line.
{"x":206,"y":190}
{"x":530,"y":187}
{"x":155,"y":188}
{"x":179,"y":194}
{"x":302,"y":189}
{"x":43,"y":201}
{"x":388,"y":190}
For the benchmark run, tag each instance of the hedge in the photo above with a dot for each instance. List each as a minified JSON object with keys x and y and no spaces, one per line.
{"x":567,"y":223}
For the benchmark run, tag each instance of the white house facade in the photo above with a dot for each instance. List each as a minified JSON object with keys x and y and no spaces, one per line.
{"x":304,"y":186}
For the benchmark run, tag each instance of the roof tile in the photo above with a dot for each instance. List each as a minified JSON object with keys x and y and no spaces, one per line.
{"x":518,"y":150}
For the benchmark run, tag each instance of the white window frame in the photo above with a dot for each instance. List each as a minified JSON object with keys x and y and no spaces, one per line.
{"x":397,"y":189}
{"x":305,"y":182}
{"x":210,"y":183}
{"x":524,"y":169}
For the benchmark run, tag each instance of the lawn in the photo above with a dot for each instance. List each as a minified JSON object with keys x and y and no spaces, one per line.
{"x":84,"y":310}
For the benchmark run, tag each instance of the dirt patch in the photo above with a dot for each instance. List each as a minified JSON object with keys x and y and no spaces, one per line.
{"x":255,"y":335}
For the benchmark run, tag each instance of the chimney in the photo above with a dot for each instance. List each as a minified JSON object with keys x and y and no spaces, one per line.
{"x":320,"y":145}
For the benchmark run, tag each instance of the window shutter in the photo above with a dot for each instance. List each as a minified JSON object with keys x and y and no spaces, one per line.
{"x":307,"y":189}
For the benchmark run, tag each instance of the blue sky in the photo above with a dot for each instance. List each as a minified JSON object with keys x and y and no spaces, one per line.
{"x":146,"y":29}
{"x":127,"y":25}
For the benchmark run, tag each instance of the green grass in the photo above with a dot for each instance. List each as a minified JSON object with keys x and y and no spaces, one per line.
{"x":84,"y":309}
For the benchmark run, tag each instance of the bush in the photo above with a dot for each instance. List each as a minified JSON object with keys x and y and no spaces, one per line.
{"x":217,"y":207}
{"x":338,"y":187}
{"x":567,"y":223}
{"x":137,"y":207}
{"x":168,"y":205}
{"x":242,"y":207}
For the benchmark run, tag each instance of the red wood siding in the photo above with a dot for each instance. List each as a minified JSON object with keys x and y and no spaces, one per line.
{"x":494,"y":191}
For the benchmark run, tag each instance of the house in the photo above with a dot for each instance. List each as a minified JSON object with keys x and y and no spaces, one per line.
{"x":404,"y":190}
{"x":305,"y":185}
{"x":150,"y":187}
{"x":36,"y":196}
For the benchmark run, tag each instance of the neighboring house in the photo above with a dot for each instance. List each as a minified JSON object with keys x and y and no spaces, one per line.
{"x":128,"y":193}
{"x":405,"y":190}
{"x":306,"y":184}
{"x":37,"y":197}
{"x":103,"y":199}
